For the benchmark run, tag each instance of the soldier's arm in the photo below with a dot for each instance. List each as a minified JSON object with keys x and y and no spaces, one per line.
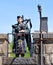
{"x":13,"y":28}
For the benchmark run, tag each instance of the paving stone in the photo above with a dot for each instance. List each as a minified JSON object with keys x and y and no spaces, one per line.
{"x":19,"y":61}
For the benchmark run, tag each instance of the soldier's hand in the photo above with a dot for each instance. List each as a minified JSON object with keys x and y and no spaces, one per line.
{"x":22,"y":31}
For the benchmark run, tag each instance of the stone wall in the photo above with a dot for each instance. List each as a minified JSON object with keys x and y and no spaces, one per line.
{"x":47,"y":54}
{"x":47,"y":48}
{"x":3,"y":47}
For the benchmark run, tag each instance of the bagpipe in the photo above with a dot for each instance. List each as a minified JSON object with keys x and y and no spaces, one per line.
{"x":25,"y":21}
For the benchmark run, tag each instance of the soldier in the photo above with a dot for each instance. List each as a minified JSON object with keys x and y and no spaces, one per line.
{"x":20,"y":24}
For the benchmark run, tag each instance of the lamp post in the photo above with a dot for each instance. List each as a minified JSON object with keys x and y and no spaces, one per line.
{"x":39,"y":10}
{"x":40,"y":13}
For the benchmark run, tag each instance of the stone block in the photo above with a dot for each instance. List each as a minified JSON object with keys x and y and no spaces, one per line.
{"x":1,"y":60}
{"x":36,"y":49}
{"x":47,"y":60}
{"x":3,"y":36}
{"x":3,"y":48}
{"x":37,"y":58}
{"x":48,"y":48}
{"x":51,"y":59}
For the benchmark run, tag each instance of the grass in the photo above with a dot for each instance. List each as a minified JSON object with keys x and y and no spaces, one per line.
{"x":27,"y":54}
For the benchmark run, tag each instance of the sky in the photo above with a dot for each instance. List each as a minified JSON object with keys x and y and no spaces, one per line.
{"x":10,"y":9}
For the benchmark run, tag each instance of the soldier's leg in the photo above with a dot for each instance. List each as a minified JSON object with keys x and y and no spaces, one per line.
{"x":17,"y":55}
{"x":22,"y":55}
{"x":24,"y":45}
